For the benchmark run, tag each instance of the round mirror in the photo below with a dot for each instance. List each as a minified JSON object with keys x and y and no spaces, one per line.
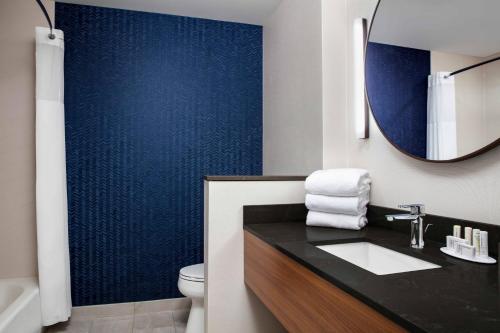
{"x":433,"y":76}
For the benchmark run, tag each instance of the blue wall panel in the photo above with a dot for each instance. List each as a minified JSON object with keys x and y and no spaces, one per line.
{"x":153,"y":103}
{"x":396,"y":81}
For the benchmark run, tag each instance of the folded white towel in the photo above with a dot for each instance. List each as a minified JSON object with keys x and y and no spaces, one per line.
{"x":338,"y":182}
{"x":338,"y":205}
{"x":319,"y":219}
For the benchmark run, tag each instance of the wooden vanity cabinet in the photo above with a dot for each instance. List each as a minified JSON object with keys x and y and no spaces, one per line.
{"x":303,"y":301}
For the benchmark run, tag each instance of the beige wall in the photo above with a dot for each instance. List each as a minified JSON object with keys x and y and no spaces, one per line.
{"x":292,"y":88}
{"x":17,"y":136}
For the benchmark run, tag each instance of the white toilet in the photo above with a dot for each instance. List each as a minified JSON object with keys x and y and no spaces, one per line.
{"x":192,"y":284}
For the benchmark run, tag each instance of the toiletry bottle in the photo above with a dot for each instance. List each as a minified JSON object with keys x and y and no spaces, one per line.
{"x":476,"y":239}
{"x":483,"y":244}
{"x":468,"y":235}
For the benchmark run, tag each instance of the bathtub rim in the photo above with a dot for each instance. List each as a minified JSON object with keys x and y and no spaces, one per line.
{"x":30,"y":291}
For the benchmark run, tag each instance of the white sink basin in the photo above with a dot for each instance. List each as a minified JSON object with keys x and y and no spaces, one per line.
{"x":377,"y":259}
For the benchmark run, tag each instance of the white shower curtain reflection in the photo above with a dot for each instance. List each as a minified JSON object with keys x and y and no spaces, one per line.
{"x":51,"y":197}
{"x":441,"y":117}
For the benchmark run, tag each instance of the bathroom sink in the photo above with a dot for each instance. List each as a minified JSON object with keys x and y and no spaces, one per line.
{"x":376,"y":259}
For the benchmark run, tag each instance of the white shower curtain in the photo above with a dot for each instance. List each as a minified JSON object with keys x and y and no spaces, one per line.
{"x":441,"y":117}
{"x":51,"y":197}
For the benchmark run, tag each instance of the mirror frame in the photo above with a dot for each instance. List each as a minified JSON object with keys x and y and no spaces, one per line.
{"x":478,"y":152}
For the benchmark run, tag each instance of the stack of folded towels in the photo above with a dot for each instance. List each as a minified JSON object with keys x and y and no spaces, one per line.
{"x":337,"y":198}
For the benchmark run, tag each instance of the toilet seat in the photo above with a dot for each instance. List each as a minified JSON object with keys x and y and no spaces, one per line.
{"x":194,"y":273}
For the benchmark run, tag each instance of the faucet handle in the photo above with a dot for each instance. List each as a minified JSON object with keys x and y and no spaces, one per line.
{"x":415,"y":209}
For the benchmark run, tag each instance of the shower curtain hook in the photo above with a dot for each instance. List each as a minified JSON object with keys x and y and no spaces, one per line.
{"x":42,"y":7}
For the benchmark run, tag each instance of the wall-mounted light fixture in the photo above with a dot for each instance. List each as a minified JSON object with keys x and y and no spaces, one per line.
{"x":360,"y":104}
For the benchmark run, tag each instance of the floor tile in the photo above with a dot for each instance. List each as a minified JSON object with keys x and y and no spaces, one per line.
{"x":156,"y":322}
{"x":180,"y":320}
{"x":169,"y":329}
{"x":142,"y":321}
{"x":101,"y":311}
{"x":151,"y":317}
{"x":162,"y":319}
{"x":180,"y":327}
{"x":113,"y":325}
{"x":71,"y":326}
{"x":181,"y":315}
{"x":162,"y":305}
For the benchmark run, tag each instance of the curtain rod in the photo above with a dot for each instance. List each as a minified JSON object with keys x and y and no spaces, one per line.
{"x":42,"y":7}
{"x":473,"y":66}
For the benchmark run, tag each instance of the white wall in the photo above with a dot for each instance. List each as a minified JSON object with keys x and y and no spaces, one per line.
{"x":229,"y":305}
{"x":292,"y":88}
{"x":468,"y":190}
{"x":492,"y":98}
{"x":17,"y":136}
{"x":334,"y":61}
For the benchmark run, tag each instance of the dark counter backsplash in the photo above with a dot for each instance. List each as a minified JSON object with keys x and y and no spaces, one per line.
{"x":441,"y":226}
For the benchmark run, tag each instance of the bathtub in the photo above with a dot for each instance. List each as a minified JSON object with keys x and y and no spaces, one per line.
{"x":20,"y":306}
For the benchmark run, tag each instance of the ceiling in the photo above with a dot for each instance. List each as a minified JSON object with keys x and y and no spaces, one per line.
{"x":243,"y":11}
{"x":467,"y":27}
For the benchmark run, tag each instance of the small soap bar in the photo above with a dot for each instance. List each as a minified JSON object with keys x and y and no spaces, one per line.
{"x":457,"y":230}
{"x":466,"y":250}
{"x":456,"y":241}
{"x":450,"y":242}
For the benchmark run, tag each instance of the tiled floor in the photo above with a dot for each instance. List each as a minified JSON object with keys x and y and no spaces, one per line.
{"x":165,"y":316}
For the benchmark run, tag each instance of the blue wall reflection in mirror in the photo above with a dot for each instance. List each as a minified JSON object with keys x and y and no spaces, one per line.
{"x":400,"y":109}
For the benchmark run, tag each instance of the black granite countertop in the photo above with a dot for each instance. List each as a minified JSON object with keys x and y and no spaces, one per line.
{"x":459,"y":297}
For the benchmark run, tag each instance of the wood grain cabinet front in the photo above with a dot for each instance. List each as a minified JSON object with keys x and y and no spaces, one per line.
{"x":303,"y":301}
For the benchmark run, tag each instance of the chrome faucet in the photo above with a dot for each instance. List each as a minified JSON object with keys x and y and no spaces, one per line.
{"x":417,"y":212}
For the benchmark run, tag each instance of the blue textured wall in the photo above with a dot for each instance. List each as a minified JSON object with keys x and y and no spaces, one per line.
{"x":396,"y":81}
{"x":153,"y":103}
